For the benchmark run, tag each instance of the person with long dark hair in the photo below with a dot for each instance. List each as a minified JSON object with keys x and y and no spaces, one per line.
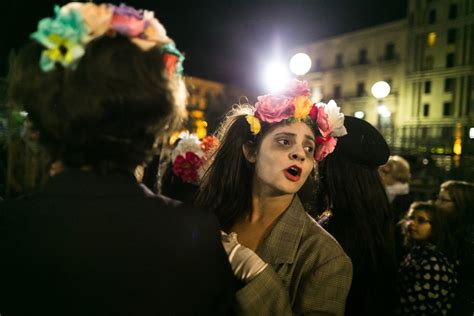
{"x":101,"y":83}
{"x":286,"y":262}
{"x":456,"y":201}
{"x":351,"y":204}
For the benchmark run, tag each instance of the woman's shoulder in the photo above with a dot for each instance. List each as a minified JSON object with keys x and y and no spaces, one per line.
{"x":318,"y":241}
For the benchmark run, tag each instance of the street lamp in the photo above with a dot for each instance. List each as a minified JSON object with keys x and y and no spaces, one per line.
{"x":300,"y":64}
{"x":380,"y":90}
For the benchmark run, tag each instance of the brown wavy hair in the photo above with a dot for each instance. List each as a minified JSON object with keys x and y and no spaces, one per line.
{"x":106,"y":113}
{"x":226,"y":187}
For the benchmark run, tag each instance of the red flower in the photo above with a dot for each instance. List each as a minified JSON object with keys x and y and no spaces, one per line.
{"x":171,"y":62}
{"x":313,"y":114}
{"x":186,"y":167}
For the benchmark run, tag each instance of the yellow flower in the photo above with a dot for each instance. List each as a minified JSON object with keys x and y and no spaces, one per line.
{"x":254,"y":124}
{"x":302,"y":106}
{"x":62,"y":50}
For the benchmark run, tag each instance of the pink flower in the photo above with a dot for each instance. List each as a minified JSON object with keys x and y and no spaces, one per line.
{"x":128,"y":21}
{"x":326,"y":146}
{"x":273,"y":108}
{"x":322,"y":121}
{"x":187,"y":167}
{"x":297,"y":88}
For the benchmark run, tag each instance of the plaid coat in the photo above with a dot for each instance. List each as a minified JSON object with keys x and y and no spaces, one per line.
{"x":308,"y":271}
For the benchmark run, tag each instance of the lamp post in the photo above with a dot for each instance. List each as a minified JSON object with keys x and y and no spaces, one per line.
{"x":380,"y":90}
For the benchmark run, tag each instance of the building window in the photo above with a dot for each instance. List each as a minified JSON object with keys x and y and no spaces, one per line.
{"x":451,"y":36}
{"x":424,"y":131}
{"x":360,"y":89}
{"x":426,"y":110}
{"x":450,"y":60}
{"x":447,"y":109}
{"x":449,"y":84}
{"x":453,"y":11}
{"x":363,"y":56}
{"x":428,"y":64}
{"x":446,"y":132}
{"x":432,"y":16}
{"x":339,"y":59}
{"x":337,"y":92}
{"x":390,"y":51}
{"x":431,"y":39}
{"x":427,"y":87}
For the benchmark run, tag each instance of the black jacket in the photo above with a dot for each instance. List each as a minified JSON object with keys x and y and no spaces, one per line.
{"x":93,"y":244}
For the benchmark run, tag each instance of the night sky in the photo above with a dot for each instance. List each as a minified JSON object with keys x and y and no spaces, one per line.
{"x":227,"y":41}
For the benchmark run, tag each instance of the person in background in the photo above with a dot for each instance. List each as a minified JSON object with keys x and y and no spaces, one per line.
{"x":185,"y":166}
{"x":101,"y":83}
{"x":286,"y":263}
{"x":427,"y":275}
{"x":456,"y":201}
{"x":395,"y":175}
{"x":350,"y":203}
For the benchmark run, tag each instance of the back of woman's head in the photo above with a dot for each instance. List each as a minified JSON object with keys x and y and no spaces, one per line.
{"x":356,"y":196}
{"x":462,"y":195}
{"x":104,"y":108}
{"x":350,"y":186}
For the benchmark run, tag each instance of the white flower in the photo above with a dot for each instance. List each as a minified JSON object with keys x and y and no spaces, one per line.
{"x":188,"y":143}
{"x":335,"y":119}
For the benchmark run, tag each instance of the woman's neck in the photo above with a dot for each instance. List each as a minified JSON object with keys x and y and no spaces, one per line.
{"x":268,"y":208}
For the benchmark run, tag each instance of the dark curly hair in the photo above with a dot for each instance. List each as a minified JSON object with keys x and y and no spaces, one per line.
{"x":105,"y":113}
{"x":440,"y":234}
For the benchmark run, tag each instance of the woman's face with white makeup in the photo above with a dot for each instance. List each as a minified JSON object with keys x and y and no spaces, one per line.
{"x":284,"y":159}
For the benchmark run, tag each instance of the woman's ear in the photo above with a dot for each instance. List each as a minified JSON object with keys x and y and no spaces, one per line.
{"x":250,"y":152}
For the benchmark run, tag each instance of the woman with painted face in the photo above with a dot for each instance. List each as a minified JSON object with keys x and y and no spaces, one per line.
{"x":286,"y":262}
{"x":456,"y":201}
{"x":427,"y":274}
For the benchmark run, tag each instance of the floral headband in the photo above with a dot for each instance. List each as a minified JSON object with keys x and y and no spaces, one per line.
{"x":76,"y":24}
{"x":295,"y":105}
{"x":190,"y":154}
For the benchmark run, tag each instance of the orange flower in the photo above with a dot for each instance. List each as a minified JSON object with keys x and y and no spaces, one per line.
{"x":303,"y":106}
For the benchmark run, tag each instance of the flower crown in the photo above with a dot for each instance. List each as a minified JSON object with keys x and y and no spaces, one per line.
{"x":190,"y":154}
{"x":295,"y":105}
{"x":76,"y":24}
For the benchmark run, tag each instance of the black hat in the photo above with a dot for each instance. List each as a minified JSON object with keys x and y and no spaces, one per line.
{"x":363,"y":143}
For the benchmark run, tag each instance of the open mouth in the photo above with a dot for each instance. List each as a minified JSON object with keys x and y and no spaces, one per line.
{"x":293,"y":173}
